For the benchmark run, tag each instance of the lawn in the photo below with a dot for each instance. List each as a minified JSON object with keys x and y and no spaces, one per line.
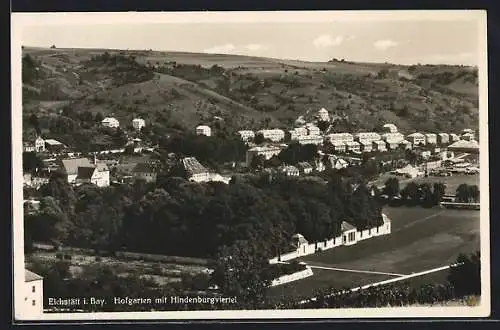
{"x":421,"y":239}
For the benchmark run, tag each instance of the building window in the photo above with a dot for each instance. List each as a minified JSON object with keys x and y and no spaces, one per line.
{"x":33,"y":302}
{"x":377,"y":229}
{"x":361,"y":234}
{"x":33,"y":288}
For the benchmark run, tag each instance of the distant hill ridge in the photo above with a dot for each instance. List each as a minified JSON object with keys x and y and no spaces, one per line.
{"x":177,"y":90}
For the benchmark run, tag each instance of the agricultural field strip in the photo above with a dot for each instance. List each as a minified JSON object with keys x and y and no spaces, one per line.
{"x":392,"y":280}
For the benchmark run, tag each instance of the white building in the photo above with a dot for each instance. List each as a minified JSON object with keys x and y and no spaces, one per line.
{"x":39,"y":144}
{"x":323,"y":115}
{"x":443,"y":138}
{"x":289,"y":170}
{"x":297,"y":133}
{"x":340,"y":137}
{"x":348,"y":233}
{"x":33,"y":295}
{"x":367,"y":136}
{"x":395,"y":137}
{"x":312,"y":129}
{"x":390,"y":128}
{"x":310,"y":139}
{"x":366,"y":146}
{"x":80,"y":170}
{"x":392,"y":144}
{"x":246,"y":135}
{"x":305,"y":167}
{"x":338,"y":146}
{"x":203,"y":130}
{"x":468,"y":136}
{"x":138,"y":123}
{"x":275,"y":135}
{"x":379,"y":146}
{"x":110,"y":122}
{"x":267,"y":151}
{"x":353,"y":146}
{"x":430,"y":138}
{"x":454,"y":137}
{"x":194,"y":170}
{"x":405,"y":144}
{"x":416,"y":139}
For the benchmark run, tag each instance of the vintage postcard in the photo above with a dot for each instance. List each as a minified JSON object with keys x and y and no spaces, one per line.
{"x":250,"y":165}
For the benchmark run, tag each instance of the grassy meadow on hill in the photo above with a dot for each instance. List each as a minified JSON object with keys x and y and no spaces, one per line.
{"x":68,"y":88}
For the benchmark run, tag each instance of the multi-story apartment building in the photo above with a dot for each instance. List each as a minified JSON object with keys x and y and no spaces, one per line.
{"x":138,"y":123}
{"x":267,"y":151}
{"x":340,"y":137}
{"x":275,"y":135}
{"x":416,"y":139}
{"x":246,"y":135}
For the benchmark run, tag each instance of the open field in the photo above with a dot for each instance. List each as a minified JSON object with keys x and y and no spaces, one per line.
{"x":421,"y":239}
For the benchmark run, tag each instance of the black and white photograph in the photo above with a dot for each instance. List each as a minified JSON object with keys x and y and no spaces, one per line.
{"x":250,"y":165}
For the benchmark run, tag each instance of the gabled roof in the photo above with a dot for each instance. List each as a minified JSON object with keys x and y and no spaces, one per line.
{"x":346,"y":226}
{"x":299,"y":238}
{"x":472,"y":144}
{"x":53,"y":142}
{"x":30,"y":276}
{"x":193,"y":166}
{"x":85,"y":173}
{"x":416,"y":135}
{"x":71,"y":165}
{"x":304,"y":165}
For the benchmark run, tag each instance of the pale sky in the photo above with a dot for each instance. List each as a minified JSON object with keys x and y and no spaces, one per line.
{"x":404,"y":42}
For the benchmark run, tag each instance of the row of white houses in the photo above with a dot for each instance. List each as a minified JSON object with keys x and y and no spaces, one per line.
{"x":349,"y":236}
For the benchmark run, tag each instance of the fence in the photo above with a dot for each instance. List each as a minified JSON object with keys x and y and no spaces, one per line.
{"x":292,"y":277}
{"x":467,"y":206}
{"x":311,"y":248}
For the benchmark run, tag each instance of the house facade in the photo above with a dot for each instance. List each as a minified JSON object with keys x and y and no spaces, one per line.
{"x":110,"y":122}
{"x":454,"y":137}
{"x":379,"y":146}
{"x":246,"y":135}
{"x":275,"y":135}
{"x":366,"y":146}
{"x":323,"y":115}
{"x":33,"y":295}
{"x":39,"y":144}
{"x":392,"y":144}
{"x":310,"y":139}
{"x":194,"y":170}
{"x":313,"y":130}
{"x":289,"y":170}
{"x":203,"y":130}
{"x":405,"y":144}
{"x":443,"y":138}
{"x":395,"y":136}
{"x":367,"y":136}
{"x":305,"y":167}
{"x":81,"y":170}
{"x":353,"y":146}
{"x":340,"y":137}
{"x":338,"y":146}
{"x":416,"y":139}
{"x":430,"y":138}
{"x":138,"y":123}
{"x":348,"y":233}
